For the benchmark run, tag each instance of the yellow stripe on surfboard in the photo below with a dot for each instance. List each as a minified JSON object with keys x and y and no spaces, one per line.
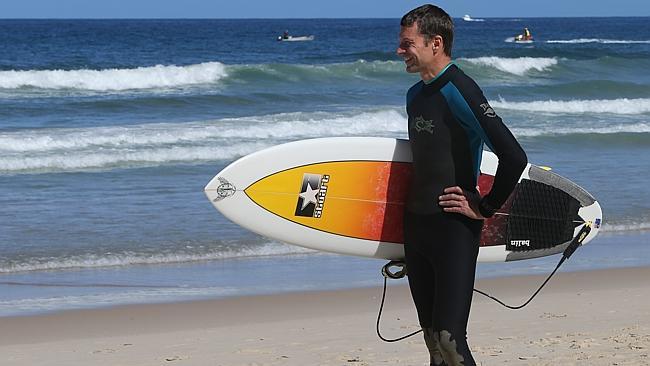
{"x":354,"y":204}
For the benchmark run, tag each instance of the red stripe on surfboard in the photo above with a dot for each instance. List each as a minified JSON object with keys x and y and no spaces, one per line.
{"x":397,"y":185}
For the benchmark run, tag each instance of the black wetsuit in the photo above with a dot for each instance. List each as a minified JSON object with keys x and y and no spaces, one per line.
{"x":449,"y":121}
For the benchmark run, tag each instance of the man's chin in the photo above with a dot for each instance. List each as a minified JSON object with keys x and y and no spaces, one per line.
{"x":411,"y":69}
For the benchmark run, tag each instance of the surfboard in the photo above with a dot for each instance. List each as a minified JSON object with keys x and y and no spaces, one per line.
{"x":346,"y":195}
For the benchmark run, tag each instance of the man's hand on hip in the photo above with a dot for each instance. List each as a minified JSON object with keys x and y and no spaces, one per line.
{"x":457,"y":200}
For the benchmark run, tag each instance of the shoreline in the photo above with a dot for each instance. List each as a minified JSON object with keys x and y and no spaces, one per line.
{"x":49,"y":292}
{"x":588,"y":317}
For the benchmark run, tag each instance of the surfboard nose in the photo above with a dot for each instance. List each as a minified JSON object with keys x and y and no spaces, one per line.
{"x":218,"y":189}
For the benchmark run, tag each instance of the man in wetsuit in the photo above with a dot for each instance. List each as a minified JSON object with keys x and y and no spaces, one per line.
{"x":449,"y":121}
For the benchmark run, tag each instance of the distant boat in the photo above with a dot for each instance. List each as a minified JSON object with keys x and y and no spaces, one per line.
{"x":467,"y":18}
{"x":295,"y":38}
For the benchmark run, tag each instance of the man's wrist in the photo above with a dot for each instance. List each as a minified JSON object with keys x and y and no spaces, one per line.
{"x":486,"y":209}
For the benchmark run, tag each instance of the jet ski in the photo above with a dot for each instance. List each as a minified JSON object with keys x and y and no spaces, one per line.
{"x":525,"y":37}
{"x":520,"y":38}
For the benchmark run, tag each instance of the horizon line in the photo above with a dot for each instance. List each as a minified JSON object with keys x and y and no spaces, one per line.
{"x":315,"y":18}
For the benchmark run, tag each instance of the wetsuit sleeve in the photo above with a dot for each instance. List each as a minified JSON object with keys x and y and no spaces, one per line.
{"x":512,"y":158}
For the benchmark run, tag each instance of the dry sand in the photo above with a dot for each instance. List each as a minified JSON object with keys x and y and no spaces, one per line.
{"x":582,"y":318}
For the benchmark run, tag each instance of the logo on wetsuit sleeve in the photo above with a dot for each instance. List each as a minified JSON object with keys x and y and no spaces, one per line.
{"x":422,"y":124}
{"x":313,"y":191}
{"x":488,"y":111}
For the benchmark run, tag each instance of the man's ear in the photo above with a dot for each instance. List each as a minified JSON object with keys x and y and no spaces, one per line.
{"x":437,"y":43}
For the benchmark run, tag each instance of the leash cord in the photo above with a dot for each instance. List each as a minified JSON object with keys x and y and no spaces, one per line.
{"x":571,"y":248}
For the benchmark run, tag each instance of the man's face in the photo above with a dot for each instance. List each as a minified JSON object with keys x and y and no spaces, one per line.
{"x":417,"y":54}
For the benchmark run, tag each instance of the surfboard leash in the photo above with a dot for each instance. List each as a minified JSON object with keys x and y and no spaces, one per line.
{"x":387,"y":273}
{"x":570,"y":249}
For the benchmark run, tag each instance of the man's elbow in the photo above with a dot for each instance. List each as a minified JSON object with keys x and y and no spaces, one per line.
{"x":516,"y":160}
{"x":520,"y":160}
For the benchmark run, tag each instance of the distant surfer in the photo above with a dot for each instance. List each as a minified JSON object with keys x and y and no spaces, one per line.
{"x":449,"y":120}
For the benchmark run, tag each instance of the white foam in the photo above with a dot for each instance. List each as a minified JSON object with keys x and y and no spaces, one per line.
{"x":172,"y":76}
{"x":517,"y":66}
{"x":123,"y":158}
{"x":284,"y":125}
{"x":158,"y":76}
{"x":153,"y":295}
{"x":155,"y":144}
{"x":613,"y":106}
{"x":114,"y":260}
{"x":543,"y":129}
{"x":597,"y":40}
{"x":626,"y":227}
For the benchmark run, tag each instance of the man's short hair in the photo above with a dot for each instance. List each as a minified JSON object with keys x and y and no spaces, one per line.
{"x":432,"y":21}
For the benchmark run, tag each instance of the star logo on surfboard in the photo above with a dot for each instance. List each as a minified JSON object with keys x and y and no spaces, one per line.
{"x":308,"y":196}
{"x":311,"y":199}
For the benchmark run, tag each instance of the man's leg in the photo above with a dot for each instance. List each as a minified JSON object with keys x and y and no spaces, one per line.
{"x":455,"y":265}
{"x":421,"y":279}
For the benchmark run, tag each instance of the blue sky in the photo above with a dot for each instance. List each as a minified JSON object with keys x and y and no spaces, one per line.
{"x":310,"y":9}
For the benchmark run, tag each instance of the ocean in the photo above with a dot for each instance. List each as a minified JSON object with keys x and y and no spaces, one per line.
{"x":110,"y":129}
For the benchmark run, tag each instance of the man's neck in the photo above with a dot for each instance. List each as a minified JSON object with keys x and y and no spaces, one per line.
{"x":435,"y":68}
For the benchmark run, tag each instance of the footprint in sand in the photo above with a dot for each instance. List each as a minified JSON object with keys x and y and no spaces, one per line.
{"x":176,"y":358}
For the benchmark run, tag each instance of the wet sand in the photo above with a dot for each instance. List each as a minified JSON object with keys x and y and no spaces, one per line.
{"x":597,"y":317}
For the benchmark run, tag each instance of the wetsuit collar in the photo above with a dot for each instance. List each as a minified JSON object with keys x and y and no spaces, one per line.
{"x":442,"y":77}
{"x":427,"y":82}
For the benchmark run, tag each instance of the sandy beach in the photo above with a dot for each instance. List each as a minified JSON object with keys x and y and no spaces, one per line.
{"x":582,"y":318}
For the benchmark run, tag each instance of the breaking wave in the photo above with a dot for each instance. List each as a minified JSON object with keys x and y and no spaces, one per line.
{"x":70,"y":149}
{"x":112,"y":147}
{"x":613,"y":106}
{"x":171,"y":76}
{"x":158,"y":76}
{"x":517,"y":66}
